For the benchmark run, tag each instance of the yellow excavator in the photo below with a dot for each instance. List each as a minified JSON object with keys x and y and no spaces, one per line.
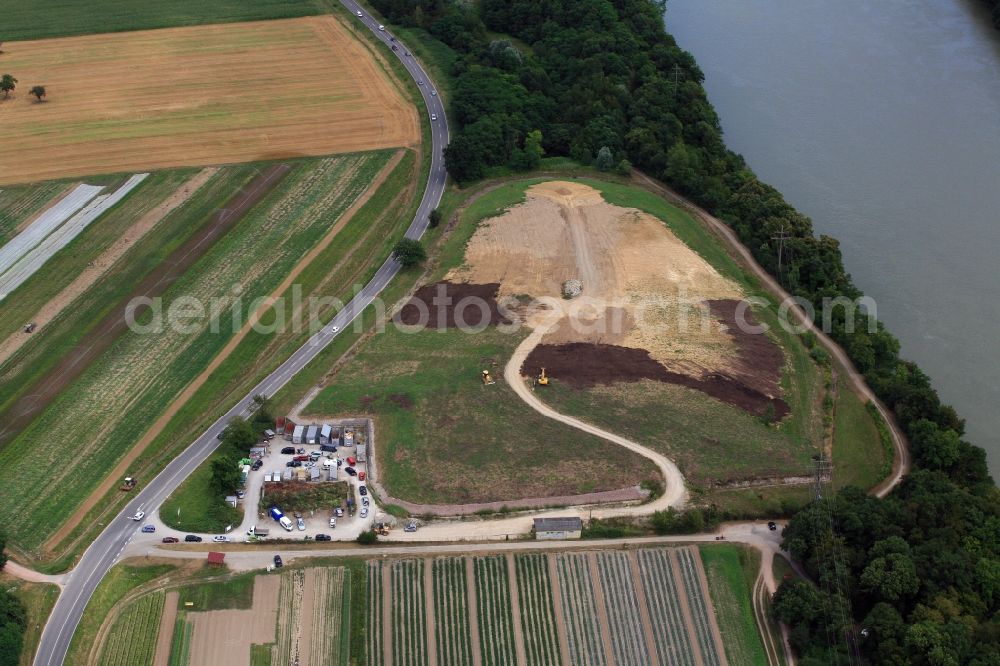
{"x":488,"y":378}
{"x":543,"y":379}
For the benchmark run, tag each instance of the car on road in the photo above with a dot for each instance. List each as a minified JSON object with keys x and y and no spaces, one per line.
{"x":381,"y":28}
{"x":170,"y":540}
{"x":361,"y":476}
{"x":434,"y":93}
{"x":221,"y":435}
{"x":302,"y":524}
{"x":192,"y":538}
{"x":351,"y":471}
{"x":288,"y":450}
{"x":148,"y":529}
{"x":323,"y":537}
{"x":334,"y":329}
{"x":362,"y":490}
{"x":221,"y":538}
{"x":360,"y":14}
{"x":364,"y":512}
{"x":257,"y":464}
{"x":434,"y":116}
{"x":139,"y":515}
{"x":277,"y":562}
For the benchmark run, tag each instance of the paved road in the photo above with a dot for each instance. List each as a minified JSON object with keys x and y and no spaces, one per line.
{"x":107,"y":548}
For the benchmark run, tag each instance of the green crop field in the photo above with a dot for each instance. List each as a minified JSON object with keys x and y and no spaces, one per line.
{"x":538,"y":621}
{"x":132,"y":637}
{"x":409,"y":619}
{"x":123,"y":392}
{"x":451,"y":612}
{"x":496,"y":624}
{"x":39,"y":19}
{"x":730,"y":581}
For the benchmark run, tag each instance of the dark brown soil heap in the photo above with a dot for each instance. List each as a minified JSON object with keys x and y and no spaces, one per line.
{"x":752,"y":386}
{"x":436,"y":306}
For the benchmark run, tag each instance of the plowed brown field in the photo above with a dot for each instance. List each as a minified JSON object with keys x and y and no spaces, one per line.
{"x":196,"y":96}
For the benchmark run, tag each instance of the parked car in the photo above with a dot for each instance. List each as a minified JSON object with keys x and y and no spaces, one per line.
{"x":220,"y":539}
{"x":288,"y":450}
{"x":410,"y":527}
{"x":257,"y":464}
{"x":240,"y":494}
{"x":323,"y":537}
{"x":364,"y":512}
{"x":277,"y":561}
{"x":139,"y":515}
{"x":301,"y":458}
{"x":362,"y":490}
{"x":192,"y":538}
{"x":293,"y":463}
{"x":316,"y":455}
{"x":333,"y":521}
{"x":351,"y":461}
{"x":351,"y":471}
{"x":338,"y":512}
{"x":302,"y":524}
{"x":364,"y":501}
{"x":170,"y":540}
{"x":361,"y":476}
{"x":773,"y":526}
{"x":149,"y":529}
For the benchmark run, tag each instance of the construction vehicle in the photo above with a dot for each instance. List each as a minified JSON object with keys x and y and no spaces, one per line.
{"x":488,"y":378}
{"x":128,"y":484}
{"x":543,"y":379}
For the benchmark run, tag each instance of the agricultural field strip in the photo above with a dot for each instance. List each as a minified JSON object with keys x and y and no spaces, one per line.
{"x":327,"y":605}
{"x":672,"y":640}
{"x":132,"y":638}
{"x":45,"y":224}
{"x":451,"y":612}
{"x":627,"y":634}
{"x":494,"y":612}
{"x":409,"y":630}
{"x":141,"y":372}
{"x":541,"y":641}
{"x":19,"y":206}
{"x":579,"y":610}
{"x":701,"y":610}
{"x":36,"y":257}
{"x":180,"y":643}
{"x":374,"y":638}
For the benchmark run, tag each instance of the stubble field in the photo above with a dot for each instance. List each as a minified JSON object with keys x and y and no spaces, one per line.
{"x":195,"y":96}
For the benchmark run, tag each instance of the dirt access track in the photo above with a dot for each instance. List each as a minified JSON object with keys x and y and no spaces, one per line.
{"x":650,"y":307}
{"x":197,"y":96}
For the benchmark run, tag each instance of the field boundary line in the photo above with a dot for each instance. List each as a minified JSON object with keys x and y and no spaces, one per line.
{"x":600,"y":606}
{"x":473,"y":611}
{"x":643,"y":604}
{"x":689,"y":623}
{"x":515,"y":610}
{"x":557,"y":607}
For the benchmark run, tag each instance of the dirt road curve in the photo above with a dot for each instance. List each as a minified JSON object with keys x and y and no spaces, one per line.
{"x":901,"y":460}
{"x":32,"y":576}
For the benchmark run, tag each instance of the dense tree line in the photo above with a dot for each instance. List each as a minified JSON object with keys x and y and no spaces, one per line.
{"x":13,"y":619}
{"x":912,"y":579}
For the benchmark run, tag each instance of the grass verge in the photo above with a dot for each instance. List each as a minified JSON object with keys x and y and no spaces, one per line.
{"x":38,"y":600}
{"x":731,"y":572}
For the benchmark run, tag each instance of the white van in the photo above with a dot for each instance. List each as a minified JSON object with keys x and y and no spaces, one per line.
{"x":286,"y":523}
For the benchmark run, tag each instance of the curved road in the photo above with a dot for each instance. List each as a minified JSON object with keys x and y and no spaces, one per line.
{"x":102,"y":554}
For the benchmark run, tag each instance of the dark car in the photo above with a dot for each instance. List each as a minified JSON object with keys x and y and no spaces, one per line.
{"x":277,"y":561}
{"x":170,"y":539}
{"x":362,"y":490}
{"x":323,"y":537}
{"x":293,"y":463}
{"x":221,"y":435}
{"x":288,"y":450}
{"x":257,"y":464}
{"x":192,"y":538}
{"x":351,"y":471}
{"x":773,"y":526}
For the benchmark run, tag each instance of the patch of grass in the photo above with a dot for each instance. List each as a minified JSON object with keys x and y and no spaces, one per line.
{"x":38,"y":600}
{"x":234,"y":592}
{"x":260,"y":655}
{"x":756,"y":503}
{"x":180,"y":641}
{"x":782,"y":570}
{"x":195,"y":507}
{"x":306,"y":497}
{"x":60,"y":18}
{"x":116,"y":584}
{"x":860,"y":457}
{"x":731,"y":572}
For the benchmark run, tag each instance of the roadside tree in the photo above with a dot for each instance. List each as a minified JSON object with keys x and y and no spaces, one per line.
{"x":409,"y":252}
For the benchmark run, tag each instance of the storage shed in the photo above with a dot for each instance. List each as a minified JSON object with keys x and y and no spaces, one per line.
{"x":558,"y":528}
{"x":299,"y":435}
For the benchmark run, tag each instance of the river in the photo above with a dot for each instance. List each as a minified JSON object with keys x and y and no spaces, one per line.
{"x":881,"y":121}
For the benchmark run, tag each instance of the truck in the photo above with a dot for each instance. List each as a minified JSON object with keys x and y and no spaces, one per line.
{"x":276,"y":513}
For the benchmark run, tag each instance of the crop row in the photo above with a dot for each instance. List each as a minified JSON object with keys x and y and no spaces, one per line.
{"x":180,"y":642}
{"x":132,"y":639}
{"x":451,"y":612}
{"x":538,"y":622}
{"x":628,"y":641}
{"x":496,"y":624}
{"x":409,"y":618}
{"x":663,"y":598}
{"x":700,"y":612}
{"x":141,"y":373}
{"x":579,"y":610}
{"x":374,"y":651}
{"x":329,"y":587}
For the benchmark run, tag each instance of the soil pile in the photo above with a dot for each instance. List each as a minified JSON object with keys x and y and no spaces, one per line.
{"x":453,"y":305}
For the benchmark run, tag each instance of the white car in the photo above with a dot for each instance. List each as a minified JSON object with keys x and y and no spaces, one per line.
{"x":333,"y":522}
{"x":420,"y":82}
{"x":381,"y":28}
{"x":334,"y":329}
{"x":302,"y":525}
{"x":434,"y":93}
{"x":364,"y":512}
{"x":434,"y":116}
{"x":139,"y":515}
{"x":220,"y":539}
{"x":360,"y":14}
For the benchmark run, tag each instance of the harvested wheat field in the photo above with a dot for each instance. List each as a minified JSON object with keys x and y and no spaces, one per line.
{"x":650,"y":307}
{"x":197,"y":96}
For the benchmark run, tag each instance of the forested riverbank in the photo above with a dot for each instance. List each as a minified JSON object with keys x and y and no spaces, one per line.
{"x":602,"y":82}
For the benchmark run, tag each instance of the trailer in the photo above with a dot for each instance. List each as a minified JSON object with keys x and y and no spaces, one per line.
{"x":362,"y":453}
{"x":325,"y":433}
{"x":312,"y":432}
{"x":299,"y":435}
